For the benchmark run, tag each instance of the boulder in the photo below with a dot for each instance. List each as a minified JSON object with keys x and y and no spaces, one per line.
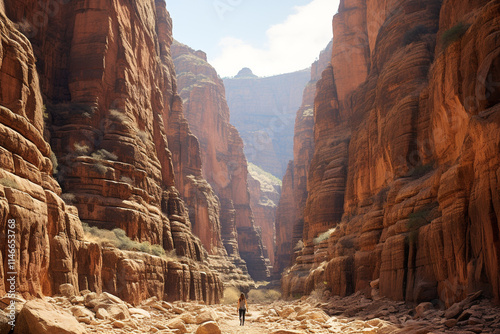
{"x":209,"y":327}
{"x":177,"y":324}
{"x":67,"y":290}
{"x":41,"y":317}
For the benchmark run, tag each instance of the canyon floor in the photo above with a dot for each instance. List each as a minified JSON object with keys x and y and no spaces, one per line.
{"x":105,"y":313}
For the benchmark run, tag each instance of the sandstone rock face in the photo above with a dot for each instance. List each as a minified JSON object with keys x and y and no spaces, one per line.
{"x":224,"y":163}
{"x":290,"y":214}
{"x":405,"y":168}
{"x":97,"y":63}
{"x":263,"y":111}
{"x":265,"y":192}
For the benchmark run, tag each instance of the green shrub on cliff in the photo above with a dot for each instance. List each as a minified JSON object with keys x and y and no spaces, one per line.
{"x":323,"y":236}
{"x":453,"y":34}
{"x":119,"y":239}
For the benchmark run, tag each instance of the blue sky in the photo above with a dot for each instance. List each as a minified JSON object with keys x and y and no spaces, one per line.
{"x":270,"y":37}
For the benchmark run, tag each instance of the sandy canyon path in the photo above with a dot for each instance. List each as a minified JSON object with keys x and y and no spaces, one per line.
{"x":105,"y":313}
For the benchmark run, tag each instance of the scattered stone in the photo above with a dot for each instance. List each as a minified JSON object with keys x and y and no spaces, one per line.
{"x":67,"y":290}
{"x":102,"y":314}
{"x":177,"y":324}
{"x":375,"y":284}
{"x":41,"y":317}
{"x":450,"y":323}
{"x":209,"y":327}
{"x":118,"y":324}
{"x":139,"y":313}
{"x":422,"y":308}
{"x":4,"y":322}
{"x":465,"y":315}
{"x":205,"y":316}
{"x":453,"y":311}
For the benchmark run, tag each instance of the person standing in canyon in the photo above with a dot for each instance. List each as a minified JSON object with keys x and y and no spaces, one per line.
{"x":242,"y":308}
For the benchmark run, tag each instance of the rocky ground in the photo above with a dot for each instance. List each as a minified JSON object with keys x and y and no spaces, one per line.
{"x":105,"y":313}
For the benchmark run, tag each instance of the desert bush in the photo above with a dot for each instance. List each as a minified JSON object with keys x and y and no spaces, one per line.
{"x":53,"y":159}
{"x":103,"y":154}
{"x":299,"y":246}
{"x":231,"y":295}
{"x":126,"y":179}
{"x":143,"y":136}
{"x":261,"y":174}
{"x":100,"y":168}
{"x":263,"y":295}
{"x":453,"y":34}
{"x":68,"y":198}
{"x":9,"y":183}
{"x":81,"y":149}
{"x":323,"y":236}
{"x":414,"y":34}
{"x":118,"y":116}
{"x":119,"y":239}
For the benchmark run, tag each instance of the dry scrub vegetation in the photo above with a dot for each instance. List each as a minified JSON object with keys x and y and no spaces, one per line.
{"x":118,"y":238}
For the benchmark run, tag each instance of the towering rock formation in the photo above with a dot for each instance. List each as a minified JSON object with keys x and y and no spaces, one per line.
{"x":263,"y":111}
{"x":290,"y":213}
{"x":109,"y":88}
{"x":224,"y":163}
{"x":406,"y":154}
{"x":265,"y":190}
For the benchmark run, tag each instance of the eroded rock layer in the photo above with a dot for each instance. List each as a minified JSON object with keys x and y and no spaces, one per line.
{"x":107,"y":80}
{"x":403,"y":185}
{"x":265,"y":192}
{"x":290,"y":215}
{"x":224,"y":163}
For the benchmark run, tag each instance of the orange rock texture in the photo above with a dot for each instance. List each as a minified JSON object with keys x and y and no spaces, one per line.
{"x":112,"y":116}
{"x":224,"y":163}
{"x":290,"y":216}
{"x":404,"y":181}
{"x":263,"y":110}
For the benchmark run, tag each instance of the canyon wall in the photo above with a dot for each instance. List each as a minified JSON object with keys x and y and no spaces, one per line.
{"x":290,"y":216}
{"x":91,"y":98}
{"x":224,"y":163}
{"x":265,"y":190}
{"x":404,"y":181}
{"x":263,"y":110}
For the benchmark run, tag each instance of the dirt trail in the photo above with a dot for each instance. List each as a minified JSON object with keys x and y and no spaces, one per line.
{"x":105,"y":313}
{"x":252,"y":326}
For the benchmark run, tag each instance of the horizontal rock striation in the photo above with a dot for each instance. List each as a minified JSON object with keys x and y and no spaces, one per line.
{"x":403,"y":182}
{"x":290,"y":215}
{"x":224,"y":163}
{"x":109,"y":104}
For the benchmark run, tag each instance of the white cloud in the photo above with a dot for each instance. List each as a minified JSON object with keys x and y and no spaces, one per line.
{"x":291,"y":45}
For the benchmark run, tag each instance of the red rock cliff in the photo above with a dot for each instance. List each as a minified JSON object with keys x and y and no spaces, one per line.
{"x":290,"y":216}
{"x":265,"y":191}
{"x":110,"y":96}
{"x":404,"y":178}
{"x":224,"y":163}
